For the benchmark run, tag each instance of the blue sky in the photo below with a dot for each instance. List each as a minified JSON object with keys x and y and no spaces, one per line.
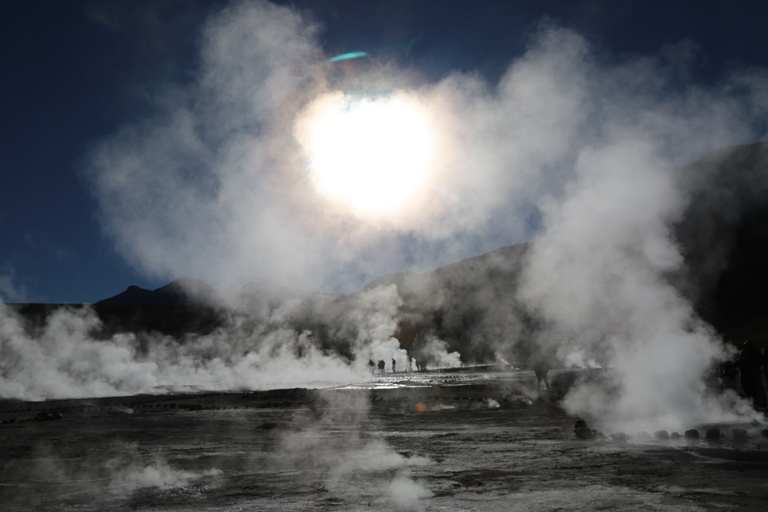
{"x":77,"y":72}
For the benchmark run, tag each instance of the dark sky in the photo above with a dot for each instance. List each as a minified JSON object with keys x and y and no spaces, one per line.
{"x":74,"y":72}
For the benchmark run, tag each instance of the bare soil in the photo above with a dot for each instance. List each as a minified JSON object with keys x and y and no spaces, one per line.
{"x":444,"y":444}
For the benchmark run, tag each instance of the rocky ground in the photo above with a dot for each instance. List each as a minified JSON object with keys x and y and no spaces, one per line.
{"x":440,"y":444}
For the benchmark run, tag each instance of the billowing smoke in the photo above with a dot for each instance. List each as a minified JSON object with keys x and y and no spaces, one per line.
{"x":568,"y":146}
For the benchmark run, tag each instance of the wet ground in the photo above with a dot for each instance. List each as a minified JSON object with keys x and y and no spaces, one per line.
{"x":445,"y":442}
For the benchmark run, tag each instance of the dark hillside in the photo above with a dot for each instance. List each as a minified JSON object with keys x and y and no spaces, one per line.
{"x":724,"y":239}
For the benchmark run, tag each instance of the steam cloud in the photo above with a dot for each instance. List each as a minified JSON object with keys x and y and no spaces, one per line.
{"x":214,"y":185}
{"x":67,"y":358}
{"x":350,"y":460}
{"x":564,"y":147}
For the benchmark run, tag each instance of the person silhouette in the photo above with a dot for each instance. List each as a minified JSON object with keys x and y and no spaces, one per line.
{"x":541,"y":370}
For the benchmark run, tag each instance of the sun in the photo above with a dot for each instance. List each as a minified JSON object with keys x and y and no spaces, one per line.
{"x":371,"y":155}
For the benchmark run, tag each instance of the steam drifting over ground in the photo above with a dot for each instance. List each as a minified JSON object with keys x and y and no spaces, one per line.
{"x":66,"y":358}
{"x":70,"y":356}
{"x":215,"y":185}
{"x":351,"y":460}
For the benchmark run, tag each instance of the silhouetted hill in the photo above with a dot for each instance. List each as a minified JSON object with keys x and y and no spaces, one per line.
{"x":183,"y":291}
{"x":724,"y":239}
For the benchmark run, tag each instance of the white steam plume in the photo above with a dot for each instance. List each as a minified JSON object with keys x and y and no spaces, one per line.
{"x":65,"y":359}
{"x":69,"y":357}
{"x":600,"y":272}
{"x":335,"y":447}
{"x":214,"y":185}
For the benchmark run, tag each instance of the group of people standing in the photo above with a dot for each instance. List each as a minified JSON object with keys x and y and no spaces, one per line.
{"x":381,"y":366}
{"x":752,"y":365}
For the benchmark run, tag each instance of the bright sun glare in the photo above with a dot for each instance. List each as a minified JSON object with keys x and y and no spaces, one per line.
{"x":369,"y":154}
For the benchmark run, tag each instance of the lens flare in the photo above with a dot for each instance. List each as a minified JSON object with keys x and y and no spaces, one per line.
{"x":348,"y":56}
{"x":369,"y":154}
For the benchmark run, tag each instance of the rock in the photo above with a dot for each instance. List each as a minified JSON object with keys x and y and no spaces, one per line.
{"x":643,"y":436}
{"x":661,"y":435}
{"x":713,"y":435}
{"x":619,"y":437}
{"x":47,"y":416}
{"x":739,"y":435}
{"x":583,"y":431}
{"x":692,"y":434}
